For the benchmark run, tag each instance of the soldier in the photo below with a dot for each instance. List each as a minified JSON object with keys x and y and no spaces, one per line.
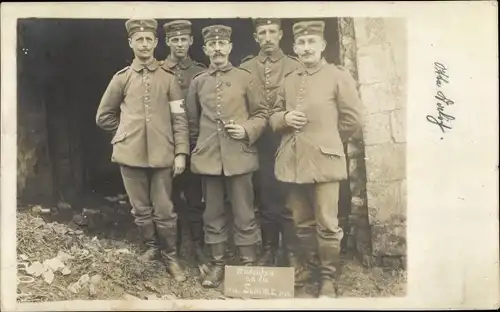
{"x":143,"y":107}
{"x":226,"y":118}
{"x":269,"y":68}
{"x":178,"y":38}
{"x":317,"y":109}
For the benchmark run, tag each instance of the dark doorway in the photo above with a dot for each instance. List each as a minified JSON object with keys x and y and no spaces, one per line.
{"x":68,"y":63}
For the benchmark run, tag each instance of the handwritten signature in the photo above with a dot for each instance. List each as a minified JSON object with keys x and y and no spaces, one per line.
{"x":443,"y":119}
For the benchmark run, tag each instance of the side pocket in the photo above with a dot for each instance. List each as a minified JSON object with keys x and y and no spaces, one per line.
{"x":119,"y":137}
{"x":331,"y":152}
{"x":200,"y":146}
{"x":249,"y":149}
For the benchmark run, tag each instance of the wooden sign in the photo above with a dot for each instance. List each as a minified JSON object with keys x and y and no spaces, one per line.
{"x":258,"y":282}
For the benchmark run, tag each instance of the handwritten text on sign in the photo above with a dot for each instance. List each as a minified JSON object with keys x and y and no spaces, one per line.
{"x":258,"y":282}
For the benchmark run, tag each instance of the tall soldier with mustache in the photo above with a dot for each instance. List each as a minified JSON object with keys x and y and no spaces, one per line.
{"x":269,"y":68}
{"x":143,"y":107}
{"x":316,"y":110}
{"x":226,"y":117}
{"x":179,"y":39}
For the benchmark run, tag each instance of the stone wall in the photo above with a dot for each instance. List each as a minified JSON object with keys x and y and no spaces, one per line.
{"x":382,"y":66}
{"x":358,"y":230}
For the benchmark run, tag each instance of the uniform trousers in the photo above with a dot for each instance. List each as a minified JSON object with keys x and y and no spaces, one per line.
{"x":239,"y":190}
{"x":271,"y":193}
{"x":149,"y":191}
{"x":315,"y":209}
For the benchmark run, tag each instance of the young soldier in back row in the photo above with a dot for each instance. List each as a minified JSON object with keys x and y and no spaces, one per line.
{"x":225,"y":119}
{"x":269,"y":68}
{"x":178,"y":38}
{"x":143,"y":108}
{"x":317,"y":109}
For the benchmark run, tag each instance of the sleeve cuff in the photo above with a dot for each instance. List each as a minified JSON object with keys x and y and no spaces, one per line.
{"x":181,"y":148}
{"x":250,"y":130}
{"x":277,"y":121}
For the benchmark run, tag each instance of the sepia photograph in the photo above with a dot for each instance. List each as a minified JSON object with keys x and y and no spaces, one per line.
{"x":180,"y":157}
{"x":152,"y":153}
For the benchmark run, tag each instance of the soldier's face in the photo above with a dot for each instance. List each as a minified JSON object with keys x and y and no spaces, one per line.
{"x":309,"y":48}
{"x":268,"y":37}
{"x":143,"y":44}
{"x":218,"y":51}
{"x":179,"y":45}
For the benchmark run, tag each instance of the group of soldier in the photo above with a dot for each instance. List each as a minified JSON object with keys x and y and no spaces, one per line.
{"x":208,"y":135}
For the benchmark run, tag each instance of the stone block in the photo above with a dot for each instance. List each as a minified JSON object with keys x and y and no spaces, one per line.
{"x":384,"y":201}
{"x":389,"y":239}
{"x":385,"y":162}
{"x":398,"y":125}
{"x":377,"y":129}
{"x":367,"y":261}
{"x":391,"y":262}
{"x":377,"y":97}
{"x":403,"y":192}
{"x":375,"y":65}
{"x":369,"y":31}
{"x":404,"y":263}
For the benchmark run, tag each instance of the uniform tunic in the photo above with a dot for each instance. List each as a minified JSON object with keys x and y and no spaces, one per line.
{"x":187,"y":183}
{"x":184,"y":71}
{"x":143,"y":106}
{"x":269,"y":72}
{"x":215,"y":97}
{"x":327,"y":95}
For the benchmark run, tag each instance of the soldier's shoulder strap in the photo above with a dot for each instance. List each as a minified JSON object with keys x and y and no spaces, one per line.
{"x":340,"y":67}
{"x":244,"y":69}
{"x":199,"y":64}
{"x":247,"y":58}
{"x":123,"y":70}
{"x":198,"y":75}
{"x":167,"y":70}
{"x":293,"y":57}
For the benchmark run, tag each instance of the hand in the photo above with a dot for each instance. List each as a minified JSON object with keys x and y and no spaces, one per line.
{"x":179,"y":164}
{"x":235,"y":131}
{"x":295,"y":119}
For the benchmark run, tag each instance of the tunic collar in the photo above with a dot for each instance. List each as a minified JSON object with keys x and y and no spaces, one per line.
{"x":151,"y":66}
{"x":275,"y":56}
{"x":184,"y":63}
{"x":312,"y":70}
{"x":212,"y":69}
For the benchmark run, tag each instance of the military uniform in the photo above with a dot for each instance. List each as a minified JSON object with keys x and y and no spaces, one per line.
{"x":269,"y":72}
{"x":218,"y":96}
{"x":143,"y":107}
{"x":312,"y":159}
{"x":187,"y":183}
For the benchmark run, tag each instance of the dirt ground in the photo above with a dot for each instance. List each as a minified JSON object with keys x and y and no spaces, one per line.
{"x":66,"y":256}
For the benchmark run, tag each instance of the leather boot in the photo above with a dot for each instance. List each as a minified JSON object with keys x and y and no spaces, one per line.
{"x":270,"y":244}
{"x":329,"y":259}
{"x":148,"y":235}
{"x":178,"y":241}
{"x":168,"y":242}
{"x":216,"y":272}
{"x":289,"y":241}
{"x":197,"y":237}
{"x":248,"y":255}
